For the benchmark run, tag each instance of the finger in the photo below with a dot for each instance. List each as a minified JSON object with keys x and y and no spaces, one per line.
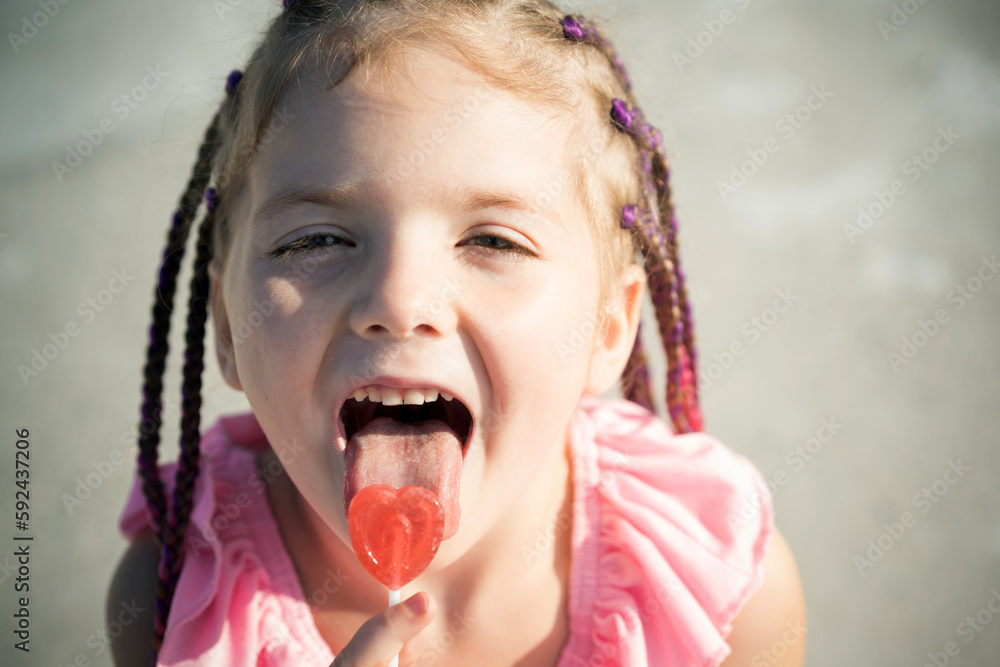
{"x":382,"y":636}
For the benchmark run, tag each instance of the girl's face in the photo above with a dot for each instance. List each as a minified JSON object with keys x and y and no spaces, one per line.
{"x":428,"y":233}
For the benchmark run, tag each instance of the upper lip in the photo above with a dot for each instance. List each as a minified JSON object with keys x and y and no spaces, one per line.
{"x":399,"y":383}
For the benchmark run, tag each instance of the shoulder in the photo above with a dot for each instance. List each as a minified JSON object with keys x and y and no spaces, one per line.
{"x":771,"y":627}
{"x":227,"y":451}
{"x":715,"y":494}
{"x":683,"y":526}
{"x":131,"y":600}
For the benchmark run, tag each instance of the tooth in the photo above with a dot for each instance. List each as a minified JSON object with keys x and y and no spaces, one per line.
{"x":430,"y":395}
{"x":360,"y":395}
{"x":446,"y":397}
{"x":413,"y":397}
{"x":391,"y":397}
{"x":373,"y":395}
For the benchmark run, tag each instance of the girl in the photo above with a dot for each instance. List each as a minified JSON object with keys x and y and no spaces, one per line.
{"x":428,"y":233}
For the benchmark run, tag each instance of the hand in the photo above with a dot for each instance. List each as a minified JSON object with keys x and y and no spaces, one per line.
{"x":395,"y":630}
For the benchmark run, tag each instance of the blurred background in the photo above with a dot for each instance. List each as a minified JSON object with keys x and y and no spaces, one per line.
{"x":834,"y":168}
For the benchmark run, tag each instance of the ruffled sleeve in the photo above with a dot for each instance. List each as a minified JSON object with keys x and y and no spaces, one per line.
{"x":238,"y":599}
{"x":669,"y":537}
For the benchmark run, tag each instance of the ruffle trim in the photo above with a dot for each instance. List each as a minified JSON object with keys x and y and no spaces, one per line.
{"x":232,"y":524}
{"x":664,"y":558}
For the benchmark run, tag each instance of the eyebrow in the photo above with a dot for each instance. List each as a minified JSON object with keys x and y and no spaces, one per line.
{"x":478,"y":199}
{"x":348,"y":196}
{"x":340,"y":197}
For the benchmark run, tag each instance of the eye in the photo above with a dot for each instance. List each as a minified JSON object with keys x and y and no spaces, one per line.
{"x":504,"y":245}
{"x":308,"y":244}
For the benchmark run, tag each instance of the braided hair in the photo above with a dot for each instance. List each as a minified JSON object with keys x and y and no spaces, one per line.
{"x":655,"y":224}
{"x":305,"y":29}
{"x":169,"y":527}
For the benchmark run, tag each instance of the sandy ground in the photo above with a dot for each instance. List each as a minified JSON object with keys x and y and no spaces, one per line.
{"x":849,"y":436}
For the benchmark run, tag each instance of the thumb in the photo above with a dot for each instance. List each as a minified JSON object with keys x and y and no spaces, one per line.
{"x":384,"y":635}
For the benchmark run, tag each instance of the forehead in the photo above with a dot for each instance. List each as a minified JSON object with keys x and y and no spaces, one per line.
{"x":419,"y":126}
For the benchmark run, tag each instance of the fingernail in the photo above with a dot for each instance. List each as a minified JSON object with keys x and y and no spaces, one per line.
{"x":416,"y":604}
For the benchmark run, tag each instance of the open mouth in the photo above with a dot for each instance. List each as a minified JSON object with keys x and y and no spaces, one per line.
{"x":355,"y":415}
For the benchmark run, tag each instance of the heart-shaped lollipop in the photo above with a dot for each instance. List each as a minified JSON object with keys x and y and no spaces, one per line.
{"x":395,"y":533}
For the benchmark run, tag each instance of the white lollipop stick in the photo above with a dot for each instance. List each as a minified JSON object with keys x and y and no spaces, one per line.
{"x":394,"y":598}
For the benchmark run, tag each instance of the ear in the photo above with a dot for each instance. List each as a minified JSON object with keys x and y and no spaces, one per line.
{"x":223,"y":332}
{"x":614,"y":343}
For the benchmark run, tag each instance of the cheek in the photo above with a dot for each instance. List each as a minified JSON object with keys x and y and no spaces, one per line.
{"x":536,"y":347}
{"x":280,"y":353}
{"x":275,"y":335}
{"x":552,"y":320}
{"x":535,"y":359}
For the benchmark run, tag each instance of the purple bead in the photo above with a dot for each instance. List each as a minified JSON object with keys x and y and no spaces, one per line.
{"x":287,"y":3}
{"x":232,"y":80}
{"x":629,"y":214}
{"x":211,"y":199}
{"x":622,"y":115}
{"x":572,"y":29}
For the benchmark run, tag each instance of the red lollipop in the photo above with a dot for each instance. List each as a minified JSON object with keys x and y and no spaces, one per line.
{"x":395,"y":533}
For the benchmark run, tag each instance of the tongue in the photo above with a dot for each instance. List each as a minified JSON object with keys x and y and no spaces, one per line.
{"x":426,"y":453}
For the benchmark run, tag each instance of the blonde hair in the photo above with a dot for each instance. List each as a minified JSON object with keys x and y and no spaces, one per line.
{"x":514,"y":45}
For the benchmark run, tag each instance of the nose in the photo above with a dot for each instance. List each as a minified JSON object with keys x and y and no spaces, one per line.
{"x":403,"y":289}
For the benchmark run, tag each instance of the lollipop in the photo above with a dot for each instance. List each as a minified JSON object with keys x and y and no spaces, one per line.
{"x":395,"y":533}
{"x":401,"y":490}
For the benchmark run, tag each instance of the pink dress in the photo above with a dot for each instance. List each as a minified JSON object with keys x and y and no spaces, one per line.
{"x":664,"y":551}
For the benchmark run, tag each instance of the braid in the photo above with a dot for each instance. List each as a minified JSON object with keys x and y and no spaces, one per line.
{"x":579,"y":29}
{"x":159,"y":331}
{"x":668,"y":298}
{"x":664,"y":274}
{"x":652,"y":218}
{"x":635,"y":377}
{"x":172,"y":553}
{"x":170,"y":527}
{"x":687,"y":352}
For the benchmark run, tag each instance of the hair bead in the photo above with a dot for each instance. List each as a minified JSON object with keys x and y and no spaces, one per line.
{"x":287,"y":3}
{"x":578,"y":29}
{"x":572,"y":29}
{"x":629,"y":214}
{"x":232,"y":80}
{"x":211,"y":199}
{"x":622,"y":115}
